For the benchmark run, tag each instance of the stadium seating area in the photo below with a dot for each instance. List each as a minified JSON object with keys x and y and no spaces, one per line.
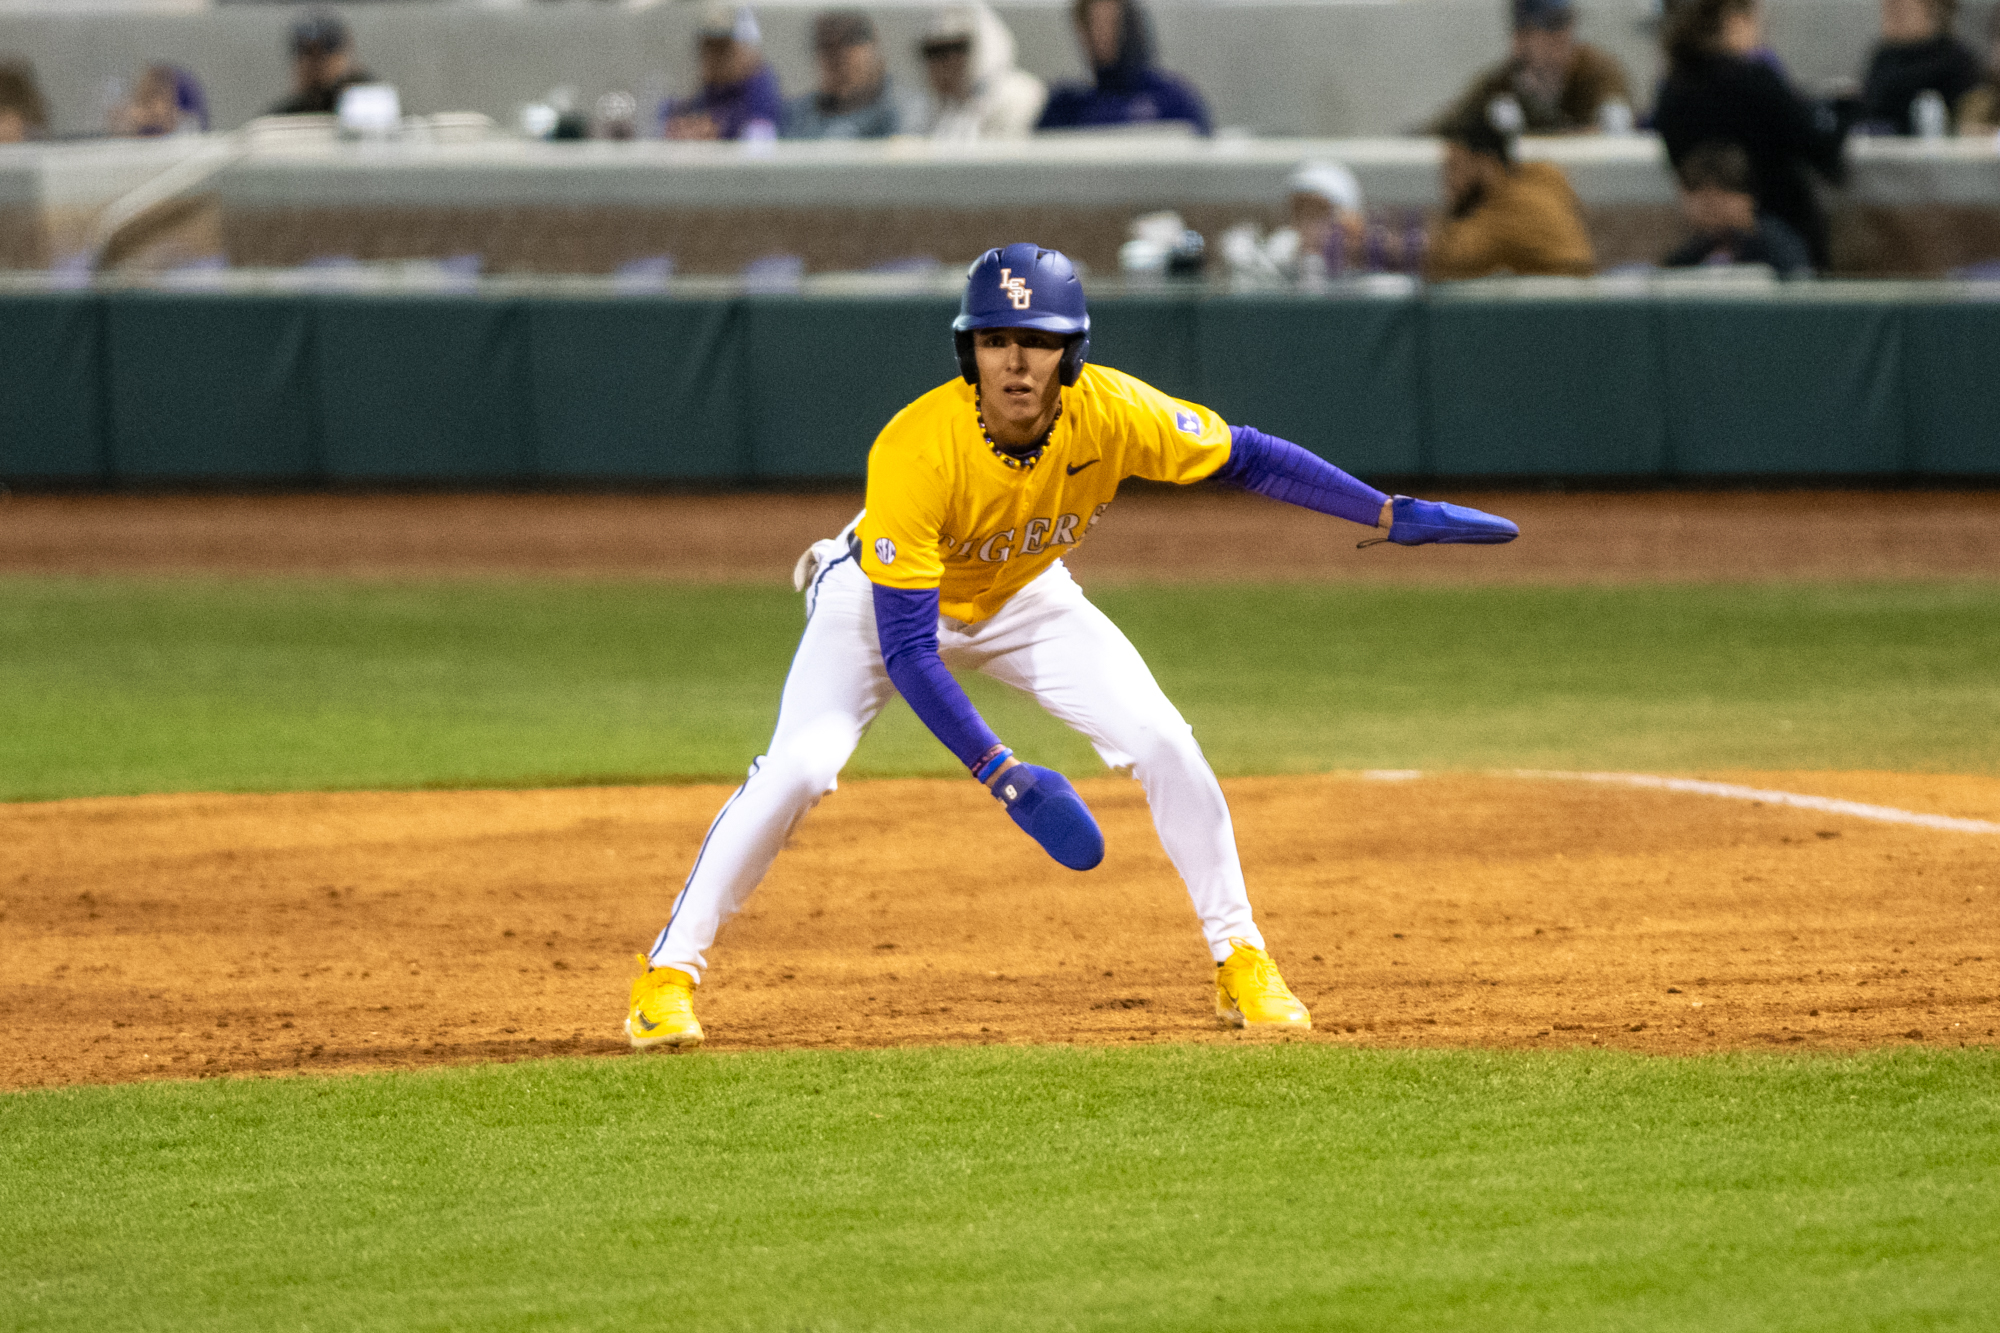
{"x":150,"y":151}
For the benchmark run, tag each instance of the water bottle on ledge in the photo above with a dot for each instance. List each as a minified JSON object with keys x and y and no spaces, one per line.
{"x":1928,"y":117}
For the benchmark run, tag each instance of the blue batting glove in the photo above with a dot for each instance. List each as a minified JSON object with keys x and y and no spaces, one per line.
{"x":1420,"y":522}
{"x":1048,"y":810}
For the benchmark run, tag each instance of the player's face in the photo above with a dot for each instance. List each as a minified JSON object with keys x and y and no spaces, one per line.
{"x":1019,"y":379}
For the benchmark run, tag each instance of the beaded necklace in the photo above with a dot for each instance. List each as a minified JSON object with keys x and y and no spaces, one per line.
{"x":1024,"y":459}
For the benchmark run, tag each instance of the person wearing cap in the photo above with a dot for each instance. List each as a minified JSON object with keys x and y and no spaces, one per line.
{"x":856,"y":98}
{"x":739,"y":97}
{"x":322,"y":66}
{"x":1563,"y":86}
{"x":1330,"y":223}
{"x":1503,"y":216}
{"x":1127,"y":89}
{"x":977,"y":91}
{"x":1329,"y":234}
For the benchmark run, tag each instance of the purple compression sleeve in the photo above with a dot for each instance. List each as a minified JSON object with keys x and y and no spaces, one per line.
{"x":906,"y":626}
{"x":1283,"y":471}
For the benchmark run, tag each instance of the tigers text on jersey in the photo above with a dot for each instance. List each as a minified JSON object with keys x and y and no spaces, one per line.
{"x":944,"y":512}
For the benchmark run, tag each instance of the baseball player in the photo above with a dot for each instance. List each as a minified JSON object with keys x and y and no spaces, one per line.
{"x":975,"y":492}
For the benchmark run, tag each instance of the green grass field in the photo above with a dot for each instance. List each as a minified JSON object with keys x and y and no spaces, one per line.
{"x":111,"y":687}
{"x":1209,"y":1188}
{"x":1212,"y":1187}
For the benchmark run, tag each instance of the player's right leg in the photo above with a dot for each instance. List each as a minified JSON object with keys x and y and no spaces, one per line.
{"x":834,"y":690}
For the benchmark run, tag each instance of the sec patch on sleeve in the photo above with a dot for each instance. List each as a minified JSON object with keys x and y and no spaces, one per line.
{"x":885,"y":550}
{"x":1188,"y":422}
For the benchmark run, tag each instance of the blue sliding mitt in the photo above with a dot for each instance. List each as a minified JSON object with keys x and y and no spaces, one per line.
{"x":1048,"y":810}
{"x":1420,"y":522}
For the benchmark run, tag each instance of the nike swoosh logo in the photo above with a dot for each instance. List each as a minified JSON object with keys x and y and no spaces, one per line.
{"x":1078,"y":467}
{"x":648,"y":1026}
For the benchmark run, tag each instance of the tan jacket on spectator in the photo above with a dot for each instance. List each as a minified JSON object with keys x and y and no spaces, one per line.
{"x":1979,"y":110}
{"x":1529,"y":224}
{"x":1595,"y":77}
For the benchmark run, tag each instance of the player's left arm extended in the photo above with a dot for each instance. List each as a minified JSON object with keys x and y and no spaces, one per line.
{"x":1283,"y":471}
{"x":1040,"y":800}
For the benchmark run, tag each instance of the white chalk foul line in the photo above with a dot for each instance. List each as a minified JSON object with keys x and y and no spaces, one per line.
{"x":1886,"y":814}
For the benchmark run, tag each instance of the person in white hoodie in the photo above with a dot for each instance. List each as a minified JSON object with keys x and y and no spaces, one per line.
{"x":1330,"y":235}
{"x":976,"y":90}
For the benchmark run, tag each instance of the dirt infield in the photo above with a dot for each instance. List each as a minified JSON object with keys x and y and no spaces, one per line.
{"x":178,"y":936}
{"x":1201,"y":535}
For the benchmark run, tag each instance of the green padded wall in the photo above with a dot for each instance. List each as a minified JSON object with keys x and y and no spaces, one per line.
{"x":1157,"y":338}
{"x":1795,"y":387}
{"x":479,"y":389}
{"x":52,"y":397}
{"x":1545,"y":388}
{"x":644,"y":389}
{"x":1951,"y":365}
{"x":826,"y":374}
{"x":209,"y":388}
{"x":426,"y":388}
{"x":1338,"y":377}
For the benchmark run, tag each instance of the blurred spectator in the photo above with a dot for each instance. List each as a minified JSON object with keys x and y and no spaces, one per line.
{"x":1917,"y":54}
{"x":1564,"y":86}
{"x":1503,"y":216}
{"x":1763,"y":53}
{"x":1329,"y":234}
{"x":856,"y":99}
{"x":1716,"y":91}
{"x":977,"y":92}
{"x":322,"y":66}
{"x":167,"y":100}
{"x":23,"y":113}
{"x":615,"y":116}
{"x":1728,"y":229}
{"x":1117,"y":39}
{"x":739,"y":96}
{"x":1979,"y":110}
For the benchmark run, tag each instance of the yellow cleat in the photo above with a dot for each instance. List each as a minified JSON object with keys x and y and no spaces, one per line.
{"x":662,"y":1009}
{"x":1249,"y":993}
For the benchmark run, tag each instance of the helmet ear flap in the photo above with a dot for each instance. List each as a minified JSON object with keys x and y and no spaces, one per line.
{"x":1074,"y":354}
{"x":968,"y":361}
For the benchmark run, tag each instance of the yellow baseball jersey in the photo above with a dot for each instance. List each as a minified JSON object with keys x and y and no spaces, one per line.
{"x":944,"y":512}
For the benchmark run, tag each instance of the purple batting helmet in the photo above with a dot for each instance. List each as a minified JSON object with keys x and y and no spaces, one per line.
{"x":1023,"y":286}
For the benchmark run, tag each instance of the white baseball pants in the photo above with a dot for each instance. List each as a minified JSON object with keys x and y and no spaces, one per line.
{"x":1049,"y":641}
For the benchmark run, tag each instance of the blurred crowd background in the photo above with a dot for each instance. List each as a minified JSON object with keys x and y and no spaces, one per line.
{"x":1262,"y":144}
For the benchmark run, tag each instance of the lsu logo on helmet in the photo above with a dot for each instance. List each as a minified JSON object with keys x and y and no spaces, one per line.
{"x":1017,"y":289}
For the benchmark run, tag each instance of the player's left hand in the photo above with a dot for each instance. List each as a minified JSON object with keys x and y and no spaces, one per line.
{"x":1421,"y":522}
{"x":1048,"y":810}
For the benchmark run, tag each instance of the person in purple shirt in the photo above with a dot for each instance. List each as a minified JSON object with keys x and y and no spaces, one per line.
{"x":739,"y":97}
{"x":1118,"y":41}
